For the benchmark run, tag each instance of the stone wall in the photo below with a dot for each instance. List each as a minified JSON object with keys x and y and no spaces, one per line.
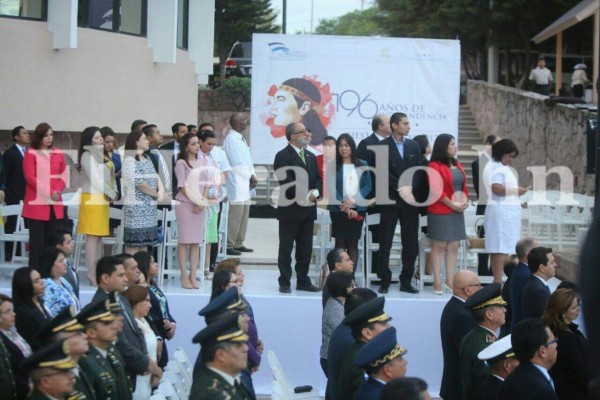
{"x":546,"y":136}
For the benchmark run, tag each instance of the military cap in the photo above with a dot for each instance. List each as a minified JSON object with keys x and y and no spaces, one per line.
{"x":98,"y":311}
{"x":498,"y":351}
{"x":113,"y":304}
{"x":379,"y":350}
{"x":56,"y":356}
{"x":223,"y":330}
{"x":229,"y":300}
{"x":65,"y":321}
{"x":490,"y":295}
{"x":367,"y":313}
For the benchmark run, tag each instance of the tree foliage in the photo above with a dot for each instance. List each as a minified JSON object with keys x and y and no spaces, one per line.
{"x":237,"y":20}
{"x":236,"y":91}
{"x":355,"y":23}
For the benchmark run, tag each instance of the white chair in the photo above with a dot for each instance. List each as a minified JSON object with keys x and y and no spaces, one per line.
{"x":168,"y":249}
{"x":176,"y":381}
{"x":78,"y":238}
{"x":177,"y":374}
{"x":282,"y":390}
{"x":19,"y":237}
{"x":116,"y":240}
{"x":370,"y":220}
{"x":166,"y":390}
{"x":573,"y":212}
{"x":157,"y":396}
{"x":182,"y":358}
{"x":425,"y":247}
{"x":222,"y":253}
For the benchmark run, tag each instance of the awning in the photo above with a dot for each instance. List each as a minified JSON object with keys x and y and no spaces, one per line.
{"x":581,"y":11}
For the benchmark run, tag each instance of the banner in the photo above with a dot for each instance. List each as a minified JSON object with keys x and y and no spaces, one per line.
{"x":336,"y":84}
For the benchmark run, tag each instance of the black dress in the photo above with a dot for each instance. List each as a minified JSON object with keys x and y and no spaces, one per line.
{"x":570,"y":373}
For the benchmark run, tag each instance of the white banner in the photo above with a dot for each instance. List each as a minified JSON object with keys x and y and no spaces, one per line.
{"x":336,"y":84}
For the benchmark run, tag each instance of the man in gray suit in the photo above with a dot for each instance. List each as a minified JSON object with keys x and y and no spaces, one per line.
{"x":110,"y":275}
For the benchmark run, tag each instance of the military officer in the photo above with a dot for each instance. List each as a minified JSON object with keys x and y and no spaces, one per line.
{"x":225,"y":355}
{"x":66,"y":326}
{"x":502,"y":361}
{"x":50,"y":369}
{"x":8,"y":386}
{"x":382,"y":358}
{"x":365,"y":321}
{"x":102,"y":362}
{"x":488,"y":310}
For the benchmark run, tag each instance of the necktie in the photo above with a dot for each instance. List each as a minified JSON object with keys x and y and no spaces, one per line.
{"x":302,"y":156}
{"x":551,"y":383}
{"x":164,"y":170}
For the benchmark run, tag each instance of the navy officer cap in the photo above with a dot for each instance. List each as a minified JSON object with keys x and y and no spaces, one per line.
{"x":229,"y":300}
{"x":224,"y":330}
{"x":379,"y":350}
{"x":367,"y":313}
{"x":55,"y":356}
{"x":65,"y":321}
{"x":490,"y":295}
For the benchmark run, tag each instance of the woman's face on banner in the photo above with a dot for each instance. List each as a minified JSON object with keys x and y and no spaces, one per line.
{"x":285,"y":109}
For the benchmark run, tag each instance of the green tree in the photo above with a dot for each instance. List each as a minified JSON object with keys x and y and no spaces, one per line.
{"x":355,"y":23}
{"x":237,"y":20}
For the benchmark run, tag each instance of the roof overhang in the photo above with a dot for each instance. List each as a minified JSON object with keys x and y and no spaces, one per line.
{"x":581,"y":11}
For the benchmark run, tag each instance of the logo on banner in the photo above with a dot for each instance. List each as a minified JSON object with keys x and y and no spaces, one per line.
{"x":281,"y":52}
{"x":302,"y":100}
{"x":278,"y":47}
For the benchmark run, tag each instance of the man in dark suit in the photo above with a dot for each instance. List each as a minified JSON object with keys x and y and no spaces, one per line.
{"x":300,"y":186}
{"x":161,"y":166}
{"x":536,"y":291}
{"x":535,"y":346}
{"x":171,"y":151}
{"x":403,"y":154}
{"x":110,"y":275}
{"x":501,"y":359}
{"x":455,"y":323}
{"x":381,"y":130}
{"x":12,"y":179}
{"x":519,"y":278}
{"x":62,"y":240}
{"x":382,"y":359}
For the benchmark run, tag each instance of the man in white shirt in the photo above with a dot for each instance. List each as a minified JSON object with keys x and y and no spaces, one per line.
{"x":241,"y":181}
{"x":541,"y":77}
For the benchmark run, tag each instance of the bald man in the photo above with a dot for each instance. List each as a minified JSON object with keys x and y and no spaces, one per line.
{"x":455,"y":323}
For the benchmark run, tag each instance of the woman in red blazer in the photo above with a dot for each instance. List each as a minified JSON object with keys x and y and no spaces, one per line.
{"x":445,"y":219}
{"x":46,"y":176}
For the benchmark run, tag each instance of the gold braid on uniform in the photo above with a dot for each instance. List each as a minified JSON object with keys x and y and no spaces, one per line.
{"x":380,"y":318}
{"x":496,"y":301}
{"x":396,"y":352}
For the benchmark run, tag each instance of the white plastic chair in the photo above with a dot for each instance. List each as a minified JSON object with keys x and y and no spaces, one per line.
{"x":282,"y":390}
{"x":166,"y":390}
{"x":370,"y":220}
{"x":169,"y":246}
{"x":182,"y":358}
{"x":19,"y":237}
{"x":179,"y":376}
{"x":176,"y":381}
{"x":116,"y":240}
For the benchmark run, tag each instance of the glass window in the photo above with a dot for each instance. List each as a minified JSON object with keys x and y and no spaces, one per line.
{"x":100,"y":14}
{"x":133,"y":17}
{"x":182,"y":23}
{"x":34,"y":9}
{"x":127,"y":16}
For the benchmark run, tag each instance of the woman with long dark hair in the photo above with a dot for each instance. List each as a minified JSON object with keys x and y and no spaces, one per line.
{"x":46,"y":177}
{"x":352,"y":187}
{"x":99,"y":187}
{"x":570,"y":373}
{"x":59,"y":294}
{"x":445,"y":218}
{"x":28,"y":289}
{"x":223,"y":280}
{"x":160,"y":314}
{"x":142,"y":190}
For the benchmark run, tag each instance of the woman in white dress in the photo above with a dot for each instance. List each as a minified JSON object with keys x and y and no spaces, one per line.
{"x":139,"y":298}
{"x":503,"y":212}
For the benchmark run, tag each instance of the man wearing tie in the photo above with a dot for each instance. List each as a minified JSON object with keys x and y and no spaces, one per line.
{"x":300,"y":187}
{"x":161,"y":166}
{"x":536,"y":292}
{"x":172,"y":151}
{"x":12,"y":179}
{"x":403,"y":154}
{"x":62,"y":240}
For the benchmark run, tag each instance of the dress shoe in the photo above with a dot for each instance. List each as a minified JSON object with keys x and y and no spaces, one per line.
{"x":310,"y":288}
{"x":383,"y":289}
{"x":233,"y":252}
{"x":243,"y":249}
{"x":284,"y":289}
{"x":408,"y":289}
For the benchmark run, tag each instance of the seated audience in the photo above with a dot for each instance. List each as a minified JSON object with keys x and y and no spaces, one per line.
{"x":62,"y":240}
{"x":59,"y":293}
{"x":28,"y":289}
{"x":536,"y":291}
{"x":570,"y":374}
{"x":339,"y":285}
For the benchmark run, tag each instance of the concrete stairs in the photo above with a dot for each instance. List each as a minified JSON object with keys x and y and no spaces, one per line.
{"x":469,"y":143}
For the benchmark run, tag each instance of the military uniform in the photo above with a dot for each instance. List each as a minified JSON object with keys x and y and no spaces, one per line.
{"x":8,"y":387}
{"x":498,"y":352}
{"x":83,"y":387}
{"x":106,"y":380}
{"x":473,"y":371}
{"x":370,"y":389}
{"x":490,"y":390}
{"x":208,"y":385}
{"x":36,"y":395}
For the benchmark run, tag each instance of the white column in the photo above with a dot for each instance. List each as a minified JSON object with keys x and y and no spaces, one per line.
{"x":62,"y":22}
{"x":162,"y":30}
{"x":201,"y":37}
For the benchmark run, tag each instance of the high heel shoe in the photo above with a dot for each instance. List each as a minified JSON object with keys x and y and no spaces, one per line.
{"x":447,"y":289}
{"x":438,"y":292}
{"x":207,"y":275}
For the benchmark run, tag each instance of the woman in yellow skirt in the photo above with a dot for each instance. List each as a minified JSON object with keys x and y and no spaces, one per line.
{"x":97,"y":191}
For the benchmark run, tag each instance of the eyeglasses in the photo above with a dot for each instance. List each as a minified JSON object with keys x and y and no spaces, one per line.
{"x":551,"y":342}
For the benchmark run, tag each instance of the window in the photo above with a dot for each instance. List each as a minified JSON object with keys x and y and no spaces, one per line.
{"x":31,"y":9}
{"x":125,"y":16}
{"x":183,"y":8}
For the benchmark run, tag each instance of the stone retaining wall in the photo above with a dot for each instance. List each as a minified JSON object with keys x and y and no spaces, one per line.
{"x":546,"y":136}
